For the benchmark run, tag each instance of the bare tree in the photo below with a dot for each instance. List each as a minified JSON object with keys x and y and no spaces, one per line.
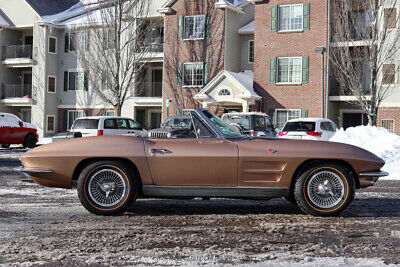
{"x":363,"y":59}
{"x":112,"y":48}
{"x":209,"y":50}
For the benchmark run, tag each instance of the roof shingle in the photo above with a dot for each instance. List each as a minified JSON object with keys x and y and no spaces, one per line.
{"x":50,"y":7}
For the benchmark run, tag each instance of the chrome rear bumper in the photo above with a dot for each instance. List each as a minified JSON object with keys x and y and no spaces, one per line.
{"x":370,"y":178}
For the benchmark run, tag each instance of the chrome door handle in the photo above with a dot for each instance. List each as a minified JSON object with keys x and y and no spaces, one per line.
{"x":154,"y":151}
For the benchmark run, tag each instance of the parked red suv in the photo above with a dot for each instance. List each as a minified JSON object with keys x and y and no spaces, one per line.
{"x":15,"y":131}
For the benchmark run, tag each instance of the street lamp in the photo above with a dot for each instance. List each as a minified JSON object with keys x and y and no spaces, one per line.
{"x":322,"y":50}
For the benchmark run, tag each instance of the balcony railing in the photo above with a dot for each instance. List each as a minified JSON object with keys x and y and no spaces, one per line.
{"x":150,"y":48}
{"x":16,"y":91}
{"x":149,"y":89}
{"x":17,"y":51}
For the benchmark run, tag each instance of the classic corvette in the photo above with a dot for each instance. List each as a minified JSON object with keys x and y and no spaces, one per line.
{"x":211,"y":160}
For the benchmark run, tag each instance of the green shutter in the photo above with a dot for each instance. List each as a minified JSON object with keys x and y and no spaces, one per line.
{"x":305,"y":73}
{"x":304,"y":113}
{"x":274,"y":18}
{"x":66,"y":47}
{"x":272,"y":70}
{"x":271,"y":113}
{"x":206,"y":73}
{"x":85,"y":81}
{"x":65,"y":120}
{"x":208,"y":26}
{"x":179,"y":73}
{"x":65,"y":80}
{"x":306,"y":16}
{"x":103,"y":112}
{"x":180,"y":28}
{"x":178,"y":112}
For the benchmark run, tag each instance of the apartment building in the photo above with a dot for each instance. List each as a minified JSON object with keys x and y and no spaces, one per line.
{"x":42,"y":79}
{"x":225,"y":55}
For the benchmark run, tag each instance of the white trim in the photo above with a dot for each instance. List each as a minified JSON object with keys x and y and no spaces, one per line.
{"x":287,"y":114}
{"x":78,"y":70}
{"x":248,"y":53}
{"x":47,"y":123}
{"x":84,"y":107}
{"x":48,"y":49}
{"x":394,"y":124}
{"x":290,"y":18}
{"x":183,"y":74}
{"x":390,"y":105}
{"x":48,"y":84}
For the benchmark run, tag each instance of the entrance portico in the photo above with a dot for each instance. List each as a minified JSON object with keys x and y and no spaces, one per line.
{"x":230,"y":90}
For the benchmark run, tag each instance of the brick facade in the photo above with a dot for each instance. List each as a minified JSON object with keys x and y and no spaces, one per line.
{"x":210,"y":50}
{"x":269,"y":44}
{"x":390,"y":113}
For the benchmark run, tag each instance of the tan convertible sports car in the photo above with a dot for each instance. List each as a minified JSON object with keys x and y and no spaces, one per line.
{"x":206,"y":159}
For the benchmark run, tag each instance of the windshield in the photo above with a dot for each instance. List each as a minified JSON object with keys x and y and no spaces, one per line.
{"x":86,"y":124}
{"x":224,"y":127}
{"x":299,"y":126}
{"x":177,"y":122}
{"x":243,"y":121}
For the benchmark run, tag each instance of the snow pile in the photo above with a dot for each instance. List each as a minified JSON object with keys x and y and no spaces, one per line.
{"x":379,"y":141}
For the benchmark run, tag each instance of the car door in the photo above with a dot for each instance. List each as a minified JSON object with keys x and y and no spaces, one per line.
{"x":4,"y":129}
{"x":17,"y":132}
{"x":110,"y":127}
{"x":202,"y":161}
{"x":134,"y":127}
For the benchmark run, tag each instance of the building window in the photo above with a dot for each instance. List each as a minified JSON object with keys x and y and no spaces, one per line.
{"x":194,"y":27}
{"x":52,"y":45}
{"x":76,"y":81}
{"x":389,"y":74}
{"x":193,"y":74}
{"x":51,"y":124}
{"x":251,"y":51}
{"x":75,"y":41}
{"x":73,"y":115}
{"x":51,"y":85}
{"x":110,"y":113}
{"x":224,"y":92}
{"x":283,"y":115}
{"x":290,"y":17}
{"x":388,"y":124}
{"x":390,"y":18}
{"x":290,"y":70}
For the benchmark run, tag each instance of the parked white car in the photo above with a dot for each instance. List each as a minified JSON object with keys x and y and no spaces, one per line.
{"x":252,"y":123}
{"x":309,"y":129}
{"x":107,"y":125}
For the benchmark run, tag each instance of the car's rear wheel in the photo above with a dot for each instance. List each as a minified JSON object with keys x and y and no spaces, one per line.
{"x":324,"y":190}
{"x":107,"y":187}
{"x":5,"y":145}
{"x":30,"y":141}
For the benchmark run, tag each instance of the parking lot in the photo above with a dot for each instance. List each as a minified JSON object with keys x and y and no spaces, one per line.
{"x":49,"y":226}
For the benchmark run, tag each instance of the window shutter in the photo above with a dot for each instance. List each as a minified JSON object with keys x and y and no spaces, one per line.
{"x":304,"y":113}
{"x":179,"y":73}
{"x":66,"y":47}
{"x":103,"y":112}
{"x":271,"y":113}
{"x":272,"y":70}
{"x":65,"y":120}
{"x":85,"y":81}
{"x":305,"y":74}
{"x":65,"y":80}
{"x":274,"y":18}
{"x":208,"y":26}
{"x":180,"y":28}
{"x":306,"y":16}
{"x":206,"y":73}
{"x":179,"y":112}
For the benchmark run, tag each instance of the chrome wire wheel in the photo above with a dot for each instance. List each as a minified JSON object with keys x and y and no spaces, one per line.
{"x":326,"y":189}
{"x":107,"y":187}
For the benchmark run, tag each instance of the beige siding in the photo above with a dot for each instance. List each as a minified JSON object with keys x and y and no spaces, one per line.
{"x":19,"y":12}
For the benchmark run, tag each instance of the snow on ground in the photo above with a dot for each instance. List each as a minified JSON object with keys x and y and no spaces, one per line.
{"x":44,"y":140}
{"x":377,"y":140}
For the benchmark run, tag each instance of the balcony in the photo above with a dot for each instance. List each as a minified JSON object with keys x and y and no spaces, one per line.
{"x":17,"y":56}
{"x":16,"y":94}
{"x":149,"y":94}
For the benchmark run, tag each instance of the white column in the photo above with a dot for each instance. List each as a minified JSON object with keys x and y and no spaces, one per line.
{"x":205,"y":104}
{"x":245,"y":107}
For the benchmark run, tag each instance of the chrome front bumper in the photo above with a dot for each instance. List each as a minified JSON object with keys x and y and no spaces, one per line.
{"x":32,"y":171}
{"x":370,"y":178}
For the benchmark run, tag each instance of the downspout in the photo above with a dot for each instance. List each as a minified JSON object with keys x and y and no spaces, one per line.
{"x":328,"y":38}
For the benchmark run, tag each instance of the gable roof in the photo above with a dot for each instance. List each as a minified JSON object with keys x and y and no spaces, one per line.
{"x":247,"y":29}
{"x":4,"y":21}
{"x":51,"y":7}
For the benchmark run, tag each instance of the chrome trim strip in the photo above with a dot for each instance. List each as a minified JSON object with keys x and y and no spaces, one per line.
{"x":210,"y":191}
{"x":374,"y":174}
{"x":32,"y":170}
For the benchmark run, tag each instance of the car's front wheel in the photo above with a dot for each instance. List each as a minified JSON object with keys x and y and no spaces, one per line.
{"x":324,"y":190}
{"x":107,"y":187}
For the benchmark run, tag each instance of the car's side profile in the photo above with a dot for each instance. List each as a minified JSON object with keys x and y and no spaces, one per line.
{"x":317,"y":129}
{"x":14,"y":131}
{"x":213,"y":160}
{"x":106,"y":125}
